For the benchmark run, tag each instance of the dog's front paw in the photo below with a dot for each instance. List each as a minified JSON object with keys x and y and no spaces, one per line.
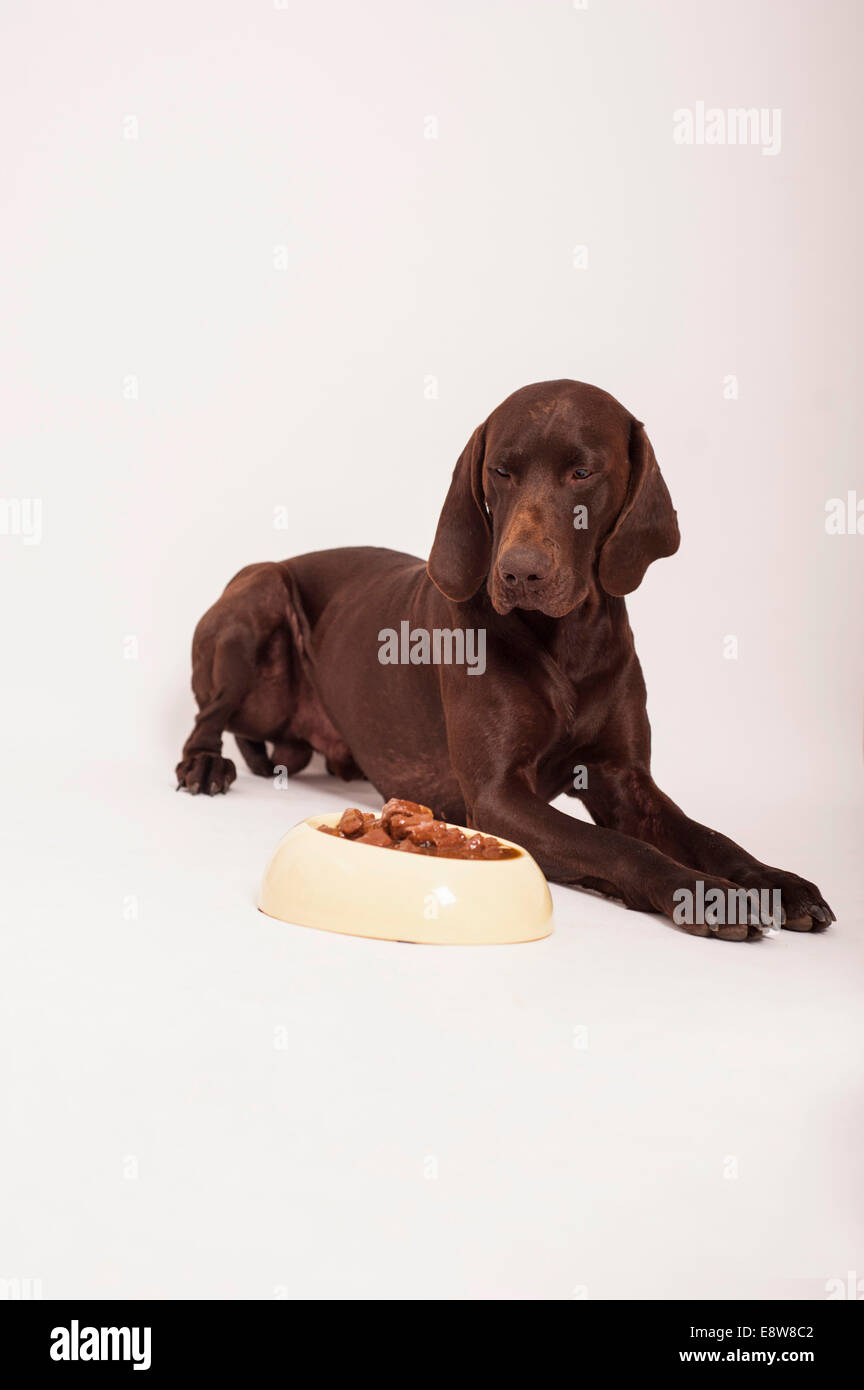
{"x":802,"y":905}
{"x":205,"y":772}
{"x":707,"y":906}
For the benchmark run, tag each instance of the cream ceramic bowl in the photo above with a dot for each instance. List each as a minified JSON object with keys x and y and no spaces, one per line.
{"x":320,"y":881}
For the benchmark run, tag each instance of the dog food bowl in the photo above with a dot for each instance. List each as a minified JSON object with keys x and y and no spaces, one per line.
{"x":317,"y":880}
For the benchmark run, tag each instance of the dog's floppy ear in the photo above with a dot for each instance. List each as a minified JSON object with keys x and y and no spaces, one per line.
{"x":462,"y":548}
{"x":647,"y":527}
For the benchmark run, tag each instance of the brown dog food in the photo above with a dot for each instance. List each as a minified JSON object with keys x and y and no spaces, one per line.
{"x":412,"y":829}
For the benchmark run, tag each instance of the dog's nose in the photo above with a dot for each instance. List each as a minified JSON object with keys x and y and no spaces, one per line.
{"x":524,"y":564}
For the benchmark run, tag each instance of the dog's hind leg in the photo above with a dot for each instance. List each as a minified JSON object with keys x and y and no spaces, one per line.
{"x":219,"y":690}
{"x":291,"y":755}
{"x":255,"y":755}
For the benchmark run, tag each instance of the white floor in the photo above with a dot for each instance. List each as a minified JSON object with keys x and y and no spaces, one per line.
{"x":202,"y":1102}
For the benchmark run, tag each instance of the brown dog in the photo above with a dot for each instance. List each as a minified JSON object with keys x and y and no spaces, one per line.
{"x":555,"y":511}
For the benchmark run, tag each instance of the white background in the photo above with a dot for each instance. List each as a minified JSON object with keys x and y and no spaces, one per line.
{"x":282,"y":261}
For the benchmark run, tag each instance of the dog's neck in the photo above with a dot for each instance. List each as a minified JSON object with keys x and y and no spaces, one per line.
{"x":588,"y":637}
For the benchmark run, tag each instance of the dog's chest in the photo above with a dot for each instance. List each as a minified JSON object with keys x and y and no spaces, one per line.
{"x":563,"y":768}
{"x":577,"y":736}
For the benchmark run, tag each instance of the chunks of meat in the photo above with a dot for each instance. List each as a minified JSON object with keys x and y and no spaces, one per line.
{"x":353,"y":822}
{"x":377,"y":835}
{"x":486,"y":847}
{"x":435,"y":834}
{"x":412,"y":828}
{"x":396,"y":816}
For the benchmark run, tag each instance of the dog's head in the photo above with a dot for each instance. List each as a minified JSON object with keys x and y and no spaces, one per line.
{"x":556,"y":493}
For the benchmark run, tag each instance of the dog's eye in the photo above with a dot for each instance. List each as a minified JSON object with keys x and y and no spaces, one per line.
{"x":502,"y":472}
{"x":580,"y":473}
